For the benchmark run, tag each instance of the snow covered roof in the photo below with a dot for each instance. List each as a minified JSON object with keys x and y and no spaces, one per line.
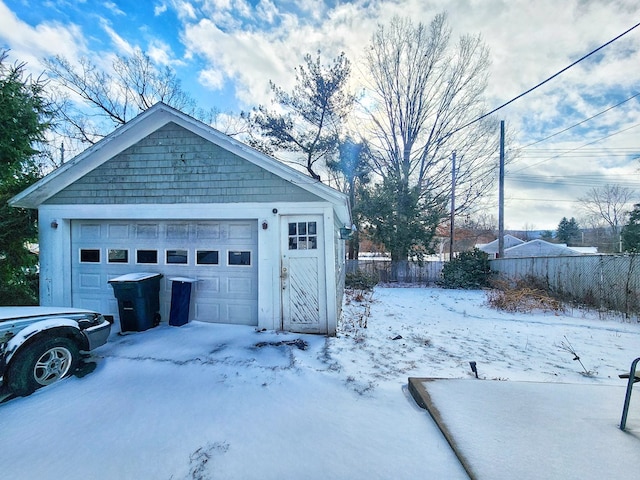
{"x":585,"y":250}
{"x":538,"y":248}
{"x":492,"y":247}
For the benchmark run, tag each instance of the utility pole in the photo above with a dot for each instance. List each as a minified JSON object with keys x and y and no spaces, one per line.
{"x":501,"y":195}
{"x":453,"y":203}
{"x":61,"y":153}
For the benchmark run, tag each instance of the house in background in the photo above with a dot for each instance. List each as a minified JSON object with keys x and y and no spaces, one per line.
{"x":492,"y":248}
{"x":516,"y":248}
{"x":539,"y":248}
{"x":166,"y":193}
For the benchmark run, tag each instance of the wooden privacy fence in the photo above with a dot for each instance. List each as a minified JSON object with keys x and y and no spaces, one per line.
{"x":386,"y":271}
{"x":610,"y":282}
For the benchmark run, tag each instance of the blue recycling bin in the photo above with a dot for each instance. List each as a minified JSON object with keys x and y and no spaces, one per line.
{"x":180,"y":300}
{"x":138,"y":296}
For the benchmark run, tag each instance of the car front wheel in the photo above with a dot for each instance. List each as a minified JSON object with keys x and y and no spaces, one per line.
{"x":42,"y":363}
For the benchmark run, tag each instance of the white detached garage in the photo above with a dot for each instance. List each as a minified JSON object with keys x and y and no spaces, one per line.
{"x":168,"y":194}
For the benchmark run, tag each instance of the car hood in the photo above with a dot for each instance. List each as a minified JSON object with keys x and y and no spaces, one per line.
{"x":12,"y":313}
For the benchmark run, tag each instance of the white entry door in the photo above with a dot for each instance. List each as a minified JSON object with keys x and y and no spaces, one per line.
{"x":304,"y":305}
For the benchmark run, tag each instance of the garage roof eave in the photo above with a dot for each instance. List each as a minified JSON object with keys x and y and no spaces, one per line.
{"x":63,"y":176}
{"x":145,"y":123}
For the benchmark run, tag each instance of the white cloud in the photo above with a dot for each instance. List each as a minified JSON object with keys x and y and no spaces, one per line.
{"x":114,"y":8}
{"x":252,"y":56}
{"x":122,"y":46}
{"x":32,"y":44}
{"x":159,"y":9}
{"x":211,"y":78}
{"x":161,"y":54}
{"x":185,"y":10}
{"x":267,"y":11}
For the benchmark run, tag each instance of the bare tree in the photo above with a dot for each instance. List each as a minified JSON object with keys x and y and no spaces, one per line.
{"x":610,"y":203}
{"x":426,"y":90}
{"x":92,"y":101}
{"x":424,"y":96}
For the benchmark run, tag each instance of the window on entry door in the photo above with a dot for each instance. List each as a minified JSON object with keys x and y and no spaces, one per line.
{"x":303,"y":236}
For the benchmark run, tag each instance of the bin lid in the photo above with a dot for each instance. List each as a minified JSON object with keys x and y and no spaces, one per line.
{"x":134,"y":277}
{"x":183,"y":279}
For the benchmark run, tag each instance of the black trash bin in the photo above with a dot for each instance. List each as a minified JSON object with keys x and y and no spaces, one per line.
{"x":180,"y":299}
{"x":138,"y":296}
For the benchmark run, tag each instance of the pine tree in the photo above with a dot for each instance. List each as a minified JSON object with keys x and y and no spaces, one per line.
{"x":313,"y":113}
{"x":568,"y":231}
{"x":631,"y":231}
{"x":24,"y":118}
{"x":398,"y":219}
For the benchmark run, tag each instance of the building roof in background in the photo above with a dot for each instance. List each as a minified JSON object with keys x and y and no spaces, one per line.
{"x":492,"y":247}
{"x":539,"y":248}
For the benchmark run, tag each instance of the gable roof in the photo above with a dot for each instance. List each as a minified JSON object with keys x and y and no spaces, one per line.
{"x":492,"y":247}
{"x":539,"y":248}
{"x":146,"y":123}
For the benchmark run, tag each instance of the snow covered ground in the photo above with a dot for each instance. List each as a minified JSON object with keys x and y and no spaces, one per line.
{"x":217,"y":401}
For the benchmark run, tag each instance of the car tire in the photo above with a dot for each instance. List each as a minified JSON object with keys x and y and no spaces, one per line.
{"x":42,"y":363}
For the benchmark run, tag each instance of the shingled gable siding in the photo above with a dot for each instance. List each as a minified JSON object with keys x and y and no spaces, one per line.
{"x":173,"y":165}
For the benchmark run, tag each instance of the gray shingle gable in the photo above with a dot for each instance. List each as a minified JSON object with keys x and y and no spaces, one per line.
{"x":174,"y":165}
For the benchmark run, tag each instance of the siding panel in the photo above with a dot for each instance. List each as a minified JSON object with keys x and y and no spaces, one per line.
{"x":173,"y":165}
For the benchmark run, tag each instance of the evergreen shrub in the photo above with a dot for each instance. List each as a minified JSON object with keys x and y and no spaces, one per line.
{"x":468,"y":270}
{"x":361,"y":280}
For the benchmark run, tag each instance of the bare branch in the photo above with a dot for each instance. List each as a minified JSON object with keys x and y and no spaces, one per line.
{"x":425,"y":89}
{"x":610,"y":203}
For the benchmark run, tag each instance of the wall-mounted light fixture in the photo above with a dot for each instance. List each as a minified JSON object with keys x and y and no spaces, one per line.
{"x":54,"y":224}
{"x":345,"y":233}
{"x":265,"y":225}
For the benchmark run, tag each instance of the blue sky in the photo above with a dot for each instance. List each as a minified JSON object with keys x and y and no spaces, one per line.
{"x":226,"y":51}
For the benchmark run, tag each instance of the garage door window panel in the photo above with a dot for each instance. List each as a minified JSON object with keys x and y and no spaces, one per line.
{"x":239,"y":258}
{"x":147,"y":257}
{"x":89,"y":255}
{"x":177,"y":257}
{"x":207,"y":257}
{"x":118,"y":255}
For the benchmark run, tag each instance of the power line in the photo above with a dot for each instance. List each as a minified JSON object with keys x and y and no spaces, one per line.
{"x":578,"y":176}
{"x":580,"y":123}
{"x":581,"y":153}
{"x":543,"y":82}
{"x":578,"y":148}
{"x":541,"y":200}
{"x":547,"y":151}
{"x":574,"y":183}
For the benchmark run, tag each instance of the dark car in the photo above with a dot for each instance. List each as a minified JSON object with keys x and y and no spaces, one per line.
{"x":41,"y":345}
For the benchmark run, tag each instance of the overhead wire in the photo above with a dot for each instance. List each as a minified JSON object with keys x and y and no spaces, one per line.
{"x":500,"y":107}
{"x":584,"y":57}
{"x":577,"y":148}
{"x":580,"y":123}
{"x":572,"y":181}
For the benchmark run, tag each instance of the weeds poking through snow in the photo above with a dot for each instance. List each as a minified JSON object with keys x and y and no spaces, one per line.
{"x":567,"y":347}
{"x":361,"y":388}
{"x":359,"y":311}
{"x":199,"y":460}
{"x":524,"y":295}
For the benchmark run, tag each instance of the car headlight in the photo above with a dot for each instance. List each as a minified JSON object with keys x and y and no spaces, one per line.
{"x":90,"y":320}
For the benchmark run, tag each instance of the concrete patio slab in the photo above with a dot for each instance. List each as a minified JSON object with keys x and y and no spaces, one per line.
{"x":528,"y":430}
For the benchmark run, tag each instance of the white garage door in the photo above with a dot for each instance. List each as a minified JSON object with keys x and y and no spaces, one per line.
{"x":221,"y":255}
